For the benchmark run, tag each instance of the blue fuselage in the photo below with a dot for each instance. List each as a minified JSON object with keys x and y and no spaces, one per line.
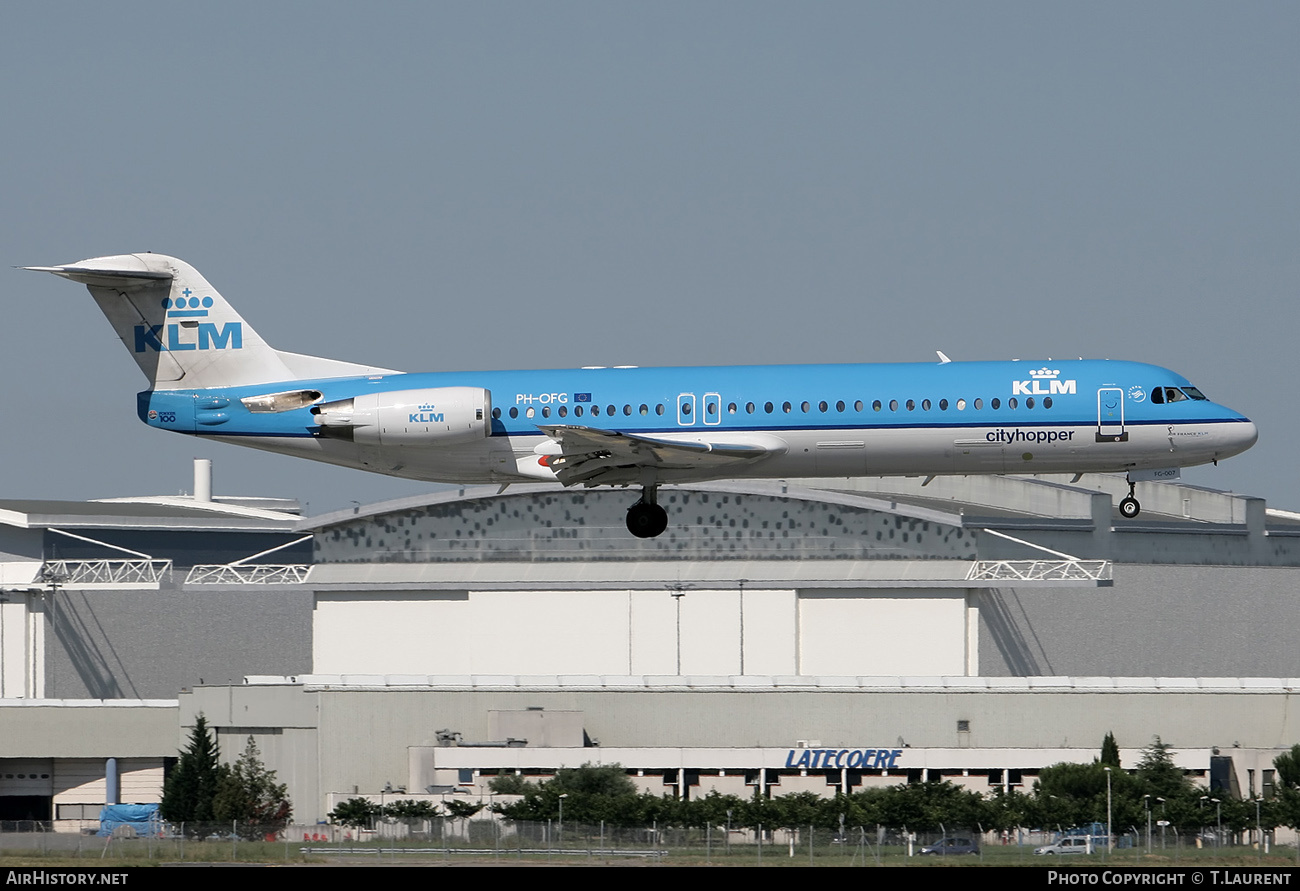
{"x":830,"y":420}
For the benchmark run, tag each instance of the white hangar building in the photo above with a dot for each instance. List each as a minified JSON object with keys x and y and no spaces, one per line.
{"x":979,"y":627}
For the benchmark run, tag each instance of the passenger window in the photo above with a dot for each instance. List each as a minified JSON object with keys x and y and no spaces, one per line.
{"x":857,"y":406}
{"x":804,"y":406}
{"x":995,"y":404}
{"x":749,"y":408}
{"x":546,"y":411}
{"x":925,"y":404}
{"x":645,"y":409}
{"x":1047,"y":402}
{"x":577,"y":411}
{"x":562,"y":411}
{"x":839,"y":406}
{"x":595,"y":410}
{"x":893,"y":405}
{"x":875,"y":406}
{"x":611,"y":410}
{"x":711,"y":408}
{"x":731,"y":408}
{"x":978,"y":404}
{"x":1029,"y":403}
{"x":822,"y":406}
{"x":514,"y":412}
{"x":496,"y":413}
{"x":943,"y":405}
{"x":659,"y":409}
{"x":961,"y":405}
{"x":767,"y":407}
{"x":1011,"y":403}
{"x":785,"y":407}
{"x":686,"y":408}
{"x":528,"y":412}
{"x":911,"y":405}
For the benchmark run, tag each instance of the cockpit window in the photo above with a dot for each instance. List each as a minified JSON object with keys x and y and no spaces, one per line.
{"x":1195,"y":394}
{"x":1164,"y":395}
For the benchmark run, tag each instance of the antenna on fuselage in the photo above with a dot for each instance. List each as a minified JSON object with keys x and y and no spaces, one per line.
{"x":943,"y":360}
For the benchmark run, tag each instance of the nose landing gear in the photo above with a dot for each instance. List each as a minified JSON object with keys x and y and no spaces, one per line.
{"x":1129,"y":507}
{"x":646,"y":519}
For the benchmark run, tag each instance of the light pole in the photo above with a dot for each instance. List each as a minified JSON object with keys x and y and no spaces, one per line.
{"x":1200,"y":807}
{"x":1146,"y":799}
{"x":678,"y":591}
{"x":1259,"y":831}
{"x":1218,"y":818}
{"x":559,"y":832}
{"x":1163,"y":823}
{"x":1110,"y":844}
{"x":1218,"y":824}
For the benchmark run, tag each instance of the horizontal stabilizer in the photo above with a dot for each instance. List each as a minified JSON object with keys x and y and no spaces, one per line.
{"x":130,"y":273}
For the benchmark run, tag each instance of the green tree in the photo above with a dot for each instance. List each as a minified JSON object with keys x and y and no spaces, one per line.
{"x":462,"y":810}
{"x":609,"y":780}
{"x":249,"y":794}
{"x":1109,"y":751}
{"x":511,"y":784}
{"x":592,"y":793}
{"x":1159,"y":772}
{"x":189,"y":792}
{"x":355,"y":812}
{"x":1288,"y":768}
{"x":1287,"y":802}
{"x":711,"y":809}
{"x":410,"y":809}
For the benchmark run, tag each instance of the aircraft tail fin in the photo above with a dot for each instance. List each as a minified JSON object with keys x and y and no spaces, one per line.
{"x":181,"y":331}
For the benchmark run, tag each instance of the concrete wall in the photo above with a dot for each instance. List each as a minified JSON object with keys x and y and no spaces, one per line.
{"x":647,"y":632}
{"x":149,"y":644}
{"x":1157,"y":621}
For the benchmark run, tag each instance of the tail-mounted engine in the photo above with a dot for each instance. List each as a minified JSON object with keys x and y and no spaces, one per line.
{"x":432,"y":417}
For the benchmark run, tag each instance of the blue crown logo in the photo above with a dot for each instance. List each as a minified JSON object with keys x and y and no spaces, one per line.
{"x":187,"y":306}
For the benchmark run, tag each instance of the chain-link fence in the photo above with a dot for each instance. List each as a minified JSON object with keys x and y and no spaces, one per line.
{"x":462,"y":840}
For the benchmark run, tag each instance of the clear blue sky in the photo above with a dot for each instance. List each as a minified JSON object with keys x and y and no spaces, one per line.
{"x":435,"y":186}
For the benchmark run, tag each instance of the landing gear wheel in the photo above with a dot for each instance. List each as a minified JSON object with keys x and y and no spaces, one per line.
{"x":646,"y":520}
{"x":1129,"y":507}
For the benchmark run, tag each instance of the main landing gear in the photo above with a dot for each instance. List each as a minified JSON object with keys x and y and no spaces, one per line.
{"x":1129,"y":507}
{"x":646,"y":519}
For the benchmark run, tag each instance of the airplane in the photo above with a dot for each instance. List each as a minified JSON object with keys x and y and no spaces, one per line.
{"x":212,"y":376}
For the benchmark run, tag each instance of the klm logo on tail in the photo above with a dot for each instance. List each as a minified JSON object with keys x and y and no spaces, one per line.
{"x":229,"y":336}
{"x":208,"y":336}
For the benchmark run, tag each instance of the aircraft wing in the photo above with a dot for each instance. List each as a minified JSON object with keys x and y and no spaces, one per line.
{"x":588,"y":456}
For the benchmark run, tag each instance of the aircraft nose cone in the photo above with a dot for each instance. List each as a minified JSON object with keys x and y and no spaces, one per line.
{"x":1249,"y":436}
{"x":1244,"y":435}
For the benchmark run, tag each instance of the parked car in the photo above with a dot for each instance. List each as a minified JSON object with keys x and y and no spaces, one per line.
{"x":1074,"y":844}
{"x":952,"y":846}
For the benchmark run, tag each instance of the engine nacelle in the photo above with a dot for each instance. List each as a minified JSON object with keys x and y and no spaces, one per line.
{"x":439,"y":416}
